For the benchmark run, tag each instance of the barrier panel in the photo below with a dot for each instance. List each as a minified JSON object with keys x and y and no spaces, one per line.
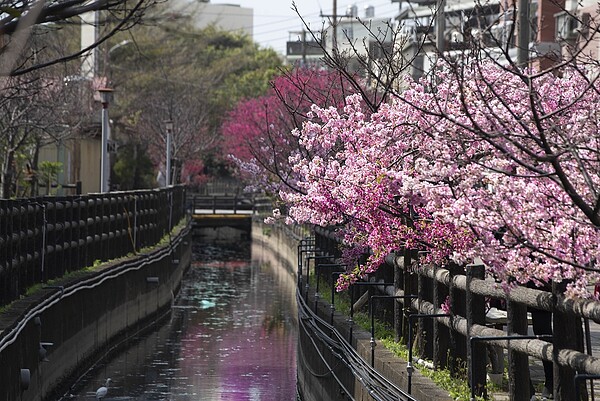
{"x":47,"y":237}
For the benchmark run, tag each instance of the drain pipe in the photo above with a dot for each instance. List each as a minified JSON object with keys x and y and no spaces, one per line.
{"x":475,"y":339}
{"x":409,"y":366}
{"x":371,"y":312}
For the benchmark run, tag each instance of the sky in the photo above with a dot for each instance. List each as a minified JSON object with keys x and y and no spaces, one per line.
{"x":273,"y":19}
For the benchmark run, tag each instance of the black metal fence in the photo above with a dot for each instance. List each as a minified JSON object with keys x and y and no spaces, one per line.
{"x":45,"y":238}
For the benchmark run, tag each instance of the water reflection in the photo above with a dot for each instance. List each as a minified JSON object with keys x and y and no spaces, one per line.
{"x":231,"y":336}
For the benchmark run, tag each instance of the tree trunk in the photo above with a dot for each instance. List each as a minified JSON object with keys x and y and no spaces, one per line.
{"x":7,"y":175}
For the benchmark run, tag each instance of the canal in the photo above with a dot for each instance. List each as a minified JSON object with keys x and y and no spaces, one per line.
{"x":231,"y":334}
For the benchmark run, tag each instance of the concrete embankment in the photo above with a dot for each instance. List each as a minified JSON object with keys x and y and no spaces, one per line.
{"x":317,"y":364}
{"x":50,"y":337}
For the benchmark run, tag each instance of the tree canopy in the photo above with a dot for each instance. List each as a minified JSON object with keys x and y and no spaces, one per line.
{"x":191,"y":77}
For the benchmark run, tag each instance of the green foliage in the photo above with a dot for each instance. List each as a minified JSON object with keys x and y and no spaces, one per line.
{"x":133,"y":168}
{"x":48,"y":172}
{"x":173,"y":71}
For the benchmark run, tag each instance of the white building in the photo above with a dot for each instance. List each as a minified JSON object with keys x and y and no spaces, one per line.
{"x":361,"y":34}
{"x":355,"y":36}
{"x":227,"y":17}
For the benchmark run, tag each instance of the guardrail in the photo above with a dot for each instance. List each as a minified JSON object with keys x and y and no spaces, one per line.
{"x":45,"y":238}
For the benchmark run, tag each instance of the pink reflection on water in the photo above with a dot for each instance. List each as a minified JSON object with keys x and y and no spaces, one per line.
{"x":242,"y":348}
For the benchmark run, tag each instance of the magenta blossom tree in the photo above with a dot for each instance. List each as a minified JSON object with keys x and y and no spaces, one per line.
{"x":257,"y":133}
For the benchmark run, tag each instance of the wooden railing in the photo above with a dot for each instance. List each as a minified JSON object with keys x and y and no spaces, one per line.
{"x":462,"y":337}
{"x":45,"y":238}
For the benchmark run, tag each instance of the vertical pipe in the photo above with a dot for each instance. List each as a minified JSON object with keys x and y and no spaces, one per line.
{"x":351,"y":320}
{"x":440,"y":26}
{"x":334,"y":38}
{"x":168,"y":178}
{"x":104,"y":164}
{"x":372,"y":342}
{"x":523,"y":33}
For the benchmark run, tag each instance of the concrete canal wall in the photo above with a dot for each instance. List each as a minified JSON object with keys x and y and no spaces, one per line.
{"x":316,"y":362}
{"x":50,"y":337}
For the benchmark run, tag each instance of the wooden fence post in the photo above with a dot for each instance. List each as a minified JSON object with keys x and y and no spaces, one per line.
{"x":440,"y":330}
{"x":458,"y":342}
{"x":567,"y":334}
{"x":476,"y":315}
{"x":519,"y":382}
{"x":425,"y":326}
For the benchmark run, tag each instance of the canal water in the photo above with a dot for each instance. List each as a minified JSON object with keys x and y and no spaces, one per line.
{"x":231,"y":335}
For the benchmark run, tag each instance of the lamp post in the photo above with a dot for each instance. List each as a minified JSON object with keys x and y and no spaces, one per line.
{"x":105,"y":98}
{"x":169,"y":127}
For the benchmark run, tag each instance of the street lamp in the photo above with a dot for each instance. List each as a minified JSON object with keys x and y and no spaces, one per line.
{"x":105,"y":98}
{"x":169,"y":127}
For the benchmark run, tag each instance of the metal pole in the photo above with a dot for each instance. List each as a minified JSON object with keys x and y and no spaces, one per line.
{"x":371,"y":310}
{"x":168,"y":180}
{"x":351,"y":319}
{"x":334,"y":39}
{"x":104,"y":161}
{"x":332,"y":305}
{"x":318,"y":276}
{"x":440,"y":27}
{"x":474,"y":339}
{"x":308,"y":258}
{"x":409,"y":367}
{"x":588,"y":345}
{"x":581,"y":376}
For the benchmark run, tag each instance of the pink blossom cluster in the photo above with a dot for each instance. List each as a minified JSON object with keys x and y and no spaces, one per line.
{"x":489,"y":163}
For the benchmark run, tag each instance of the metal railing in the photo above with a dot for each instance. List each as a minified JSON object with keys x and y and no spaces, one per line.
{"x":47,"y":237}
{"x":215,"y":204}
{"x":452,"y":339}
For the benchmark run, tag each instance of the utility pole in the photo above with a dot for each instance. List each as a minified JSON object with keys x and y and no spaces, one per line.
{"x":334,"y":39}
{"x":333,"y":26}
{"x":440,"y":26}
{"x":523,"y":33}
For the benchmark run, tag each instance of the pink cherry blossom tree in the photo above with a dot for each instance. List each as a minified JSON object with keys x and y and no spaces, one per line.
{"x":491,"y":163}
